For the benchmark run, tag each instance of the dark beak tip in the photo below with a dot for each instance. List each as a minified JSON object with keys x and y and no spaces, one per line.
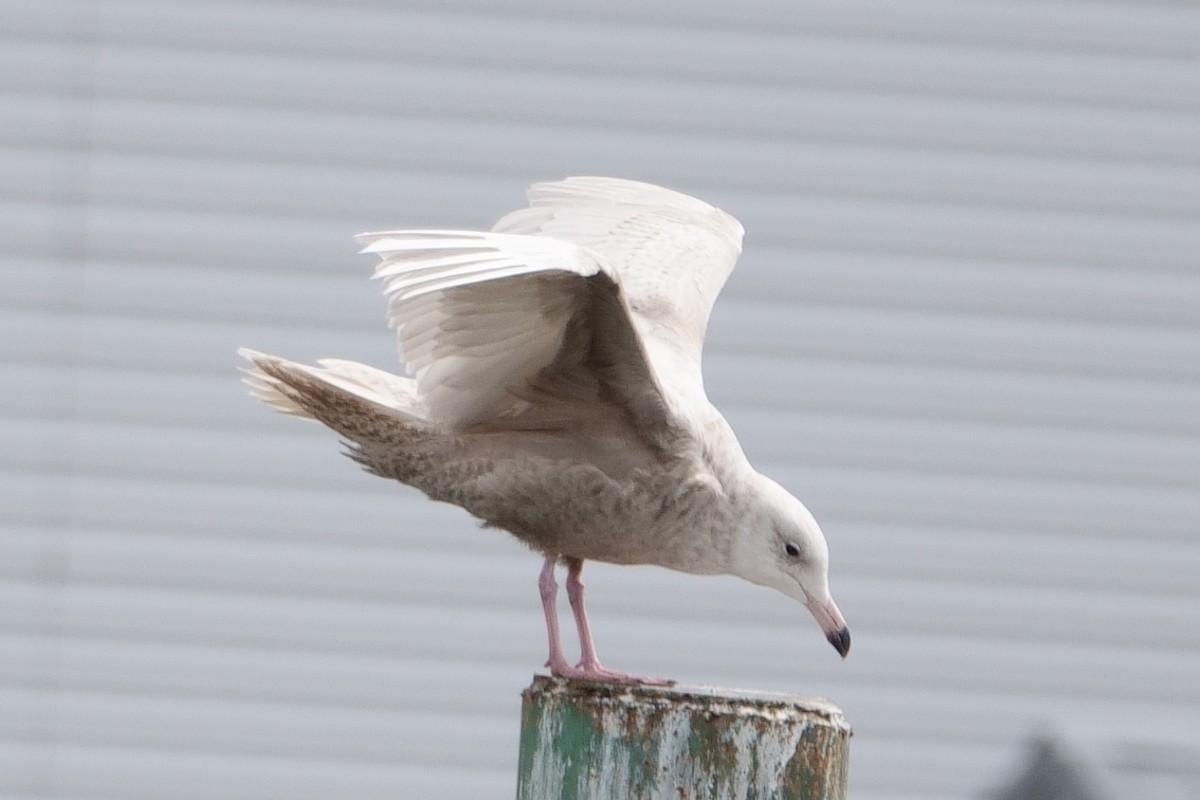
{"x":840,"y":641}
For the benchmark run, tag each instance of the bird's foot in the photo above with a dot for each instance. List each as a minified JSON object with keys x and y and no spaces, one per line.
{"x":594,"y":671}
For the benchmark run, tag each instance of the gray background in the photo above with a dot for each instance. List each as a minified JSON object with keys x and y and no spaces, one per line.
{"x":964,"y":330}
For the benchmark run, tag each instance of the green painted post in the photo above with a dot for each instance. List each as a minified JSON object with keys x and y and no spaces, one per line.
{"x":590,"y":741}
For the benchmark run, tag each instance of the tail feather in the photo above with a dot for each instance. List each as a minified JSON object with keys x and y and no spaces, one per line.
{"x":362,"y":403}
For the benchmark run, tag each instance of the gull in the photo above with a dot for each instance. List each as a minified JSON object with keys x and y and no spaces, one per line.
{"x":554,"y":390}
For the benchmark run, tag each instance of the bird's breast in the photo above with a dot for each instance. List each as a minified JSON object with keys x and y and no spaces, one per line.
{"x":667,"y":519}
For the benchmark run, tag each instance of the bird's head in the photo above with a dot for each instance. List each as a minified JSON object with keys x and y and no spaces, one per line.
{"x":780,"y":545}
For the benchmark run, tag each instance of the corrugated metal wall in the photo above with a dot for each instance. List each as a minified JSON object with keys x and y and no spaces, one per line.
{"x":964,"y":330}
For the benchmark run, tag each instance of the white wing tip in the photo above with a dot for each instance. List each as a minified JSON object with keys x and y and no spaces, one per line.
{"x":252,"y":355}
{"x":266,"y":389}
{"x":594,"y":190}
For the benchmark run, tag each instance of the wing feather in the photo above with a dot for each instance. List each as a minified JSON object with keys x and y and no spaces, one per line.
{"x":478,"y":315}
{"x":670,"y":252}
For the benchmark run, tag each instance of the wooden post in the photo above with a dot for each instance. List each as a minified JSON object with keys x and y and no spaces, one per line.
{"x":590,"y":741}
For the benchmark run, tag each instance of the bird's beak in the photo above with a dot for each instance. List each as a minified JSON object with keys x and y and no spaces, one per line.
{"x":832,"y":624}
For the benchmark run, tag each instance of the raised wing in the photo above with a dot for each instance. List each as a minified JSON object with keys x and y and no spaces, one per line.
{"x":479,"y":316}
{"x":670,"y":252}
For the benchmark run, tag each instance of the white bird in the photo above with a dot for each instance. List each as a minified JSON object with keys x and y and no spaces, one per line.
{"x":554,"y":390}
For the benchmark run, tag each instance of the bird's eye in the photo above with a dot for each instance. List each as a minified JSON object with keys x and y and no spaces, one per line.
{"x":792,"y":550}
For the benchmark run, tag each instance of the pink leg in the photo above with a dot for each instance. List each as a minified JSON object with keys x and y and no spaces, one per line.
{"x":589,"y":666}
{"x":575,"y":587}
{"x":549,"y":591}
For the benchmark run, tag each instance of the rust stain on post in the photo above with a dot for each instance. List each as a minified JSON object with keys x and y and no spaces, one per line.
{"x":587,"y":741}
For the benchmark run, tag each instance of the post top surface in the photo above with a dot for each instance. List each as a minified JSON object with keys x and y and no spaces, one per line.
{"x":712,"y":699}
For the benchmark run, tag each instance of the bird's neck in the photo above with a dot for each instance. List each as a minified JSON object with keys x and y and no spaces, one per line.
{"x":711,"y":495}
{"x":722,"y":453}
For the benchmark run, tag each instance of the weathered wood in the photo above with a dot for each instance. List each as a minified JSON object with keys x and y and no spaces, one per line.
{"x":588,"y":741}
